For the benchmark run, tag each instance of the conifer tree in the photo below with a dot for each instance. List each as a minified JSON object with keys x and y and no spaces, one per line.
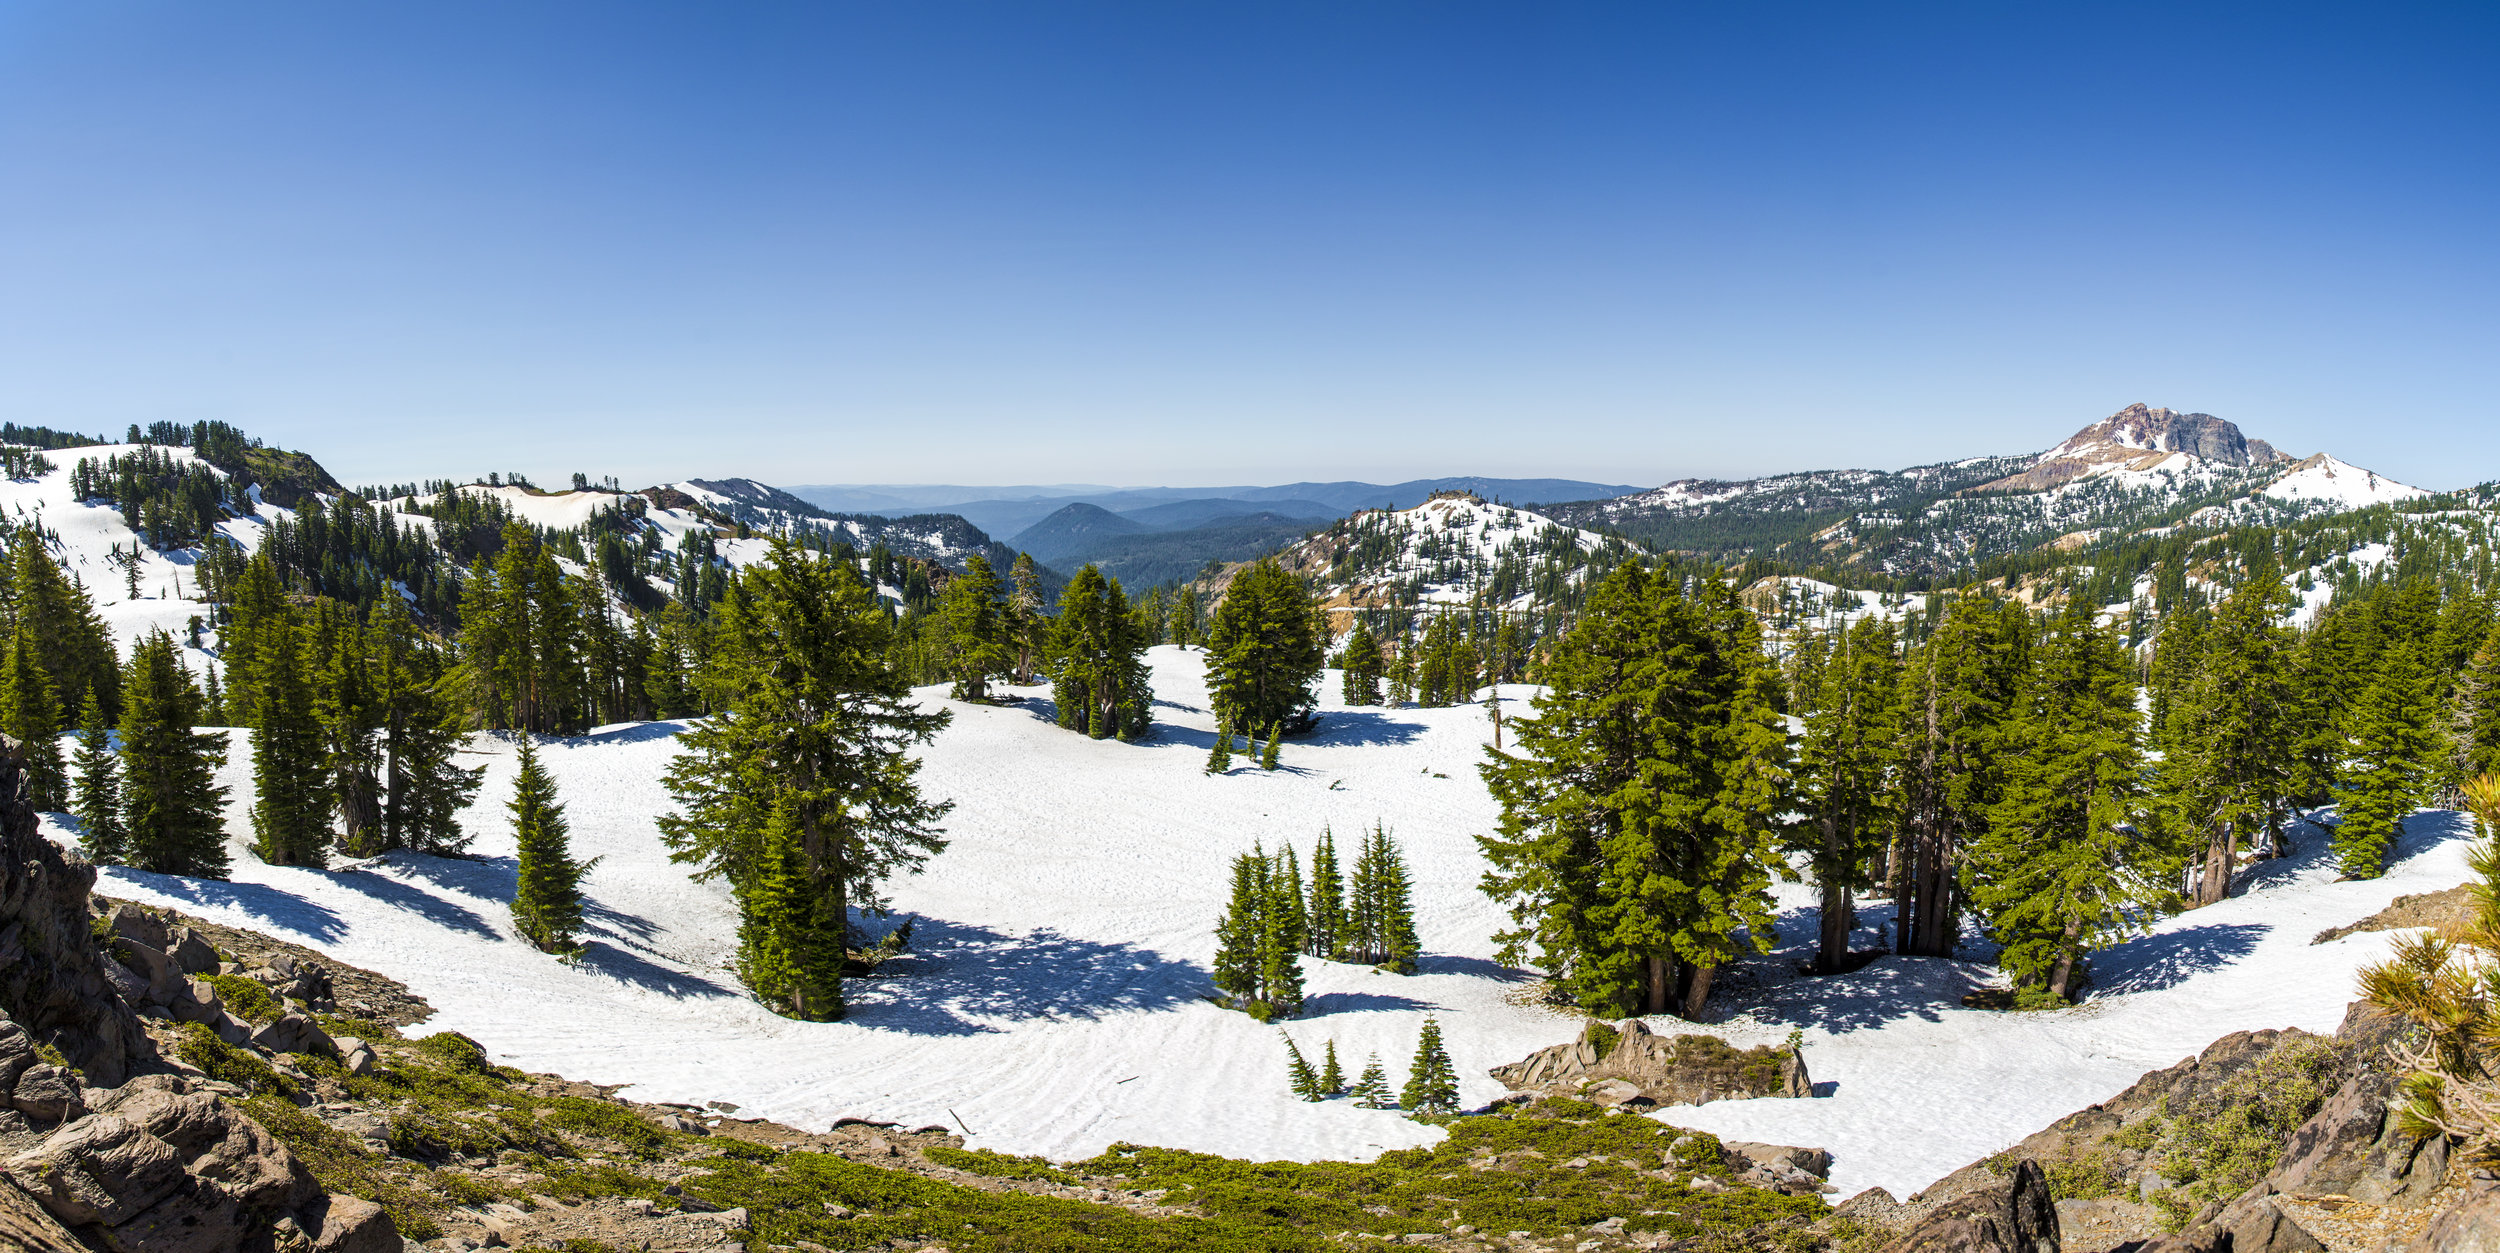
{"x":2474,"y":736}
{"x":1267,"y":755}
{"x":172,"y":807}
{"x":1220,"y":757}
{"x":1289,"y":905}
{"x":99,"y":792}
{"x":547,"y":901}
{"x":2060,"y":870}
{"x":290,"y":812}
{"x":974,"y":630}
{"x":424,"y":786}
{"x":1299,"y":1076}
{"x":2225,"y":698}
{"x":2393,"y":749}
{"x":1027,"y":627}
{"x":1362,"y":666}
{"x":1237,"y":933}
{"x":1265,"y":649}
{"x":1326,"y":912}
{"x":1637,"y":837}
{"x":1280,"y":942}
{"x":1846,"y":766}
{"x":71,"y":644}
{"x":1379,"y":923}
{"x":816,"y":720}
{"x":1431,"y":1082}
{"x":1371,"y":1089}
{"x":1957,"y":688}
{"x":34,"y":720}
{"x":1097,"y":654}
{"x":1259,"y":939}
{"x":1331,"y":1075}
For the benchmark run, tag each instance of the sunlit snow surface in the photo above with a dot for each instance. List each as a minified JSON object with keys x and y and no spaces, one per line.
{"x":1053,"y":1000}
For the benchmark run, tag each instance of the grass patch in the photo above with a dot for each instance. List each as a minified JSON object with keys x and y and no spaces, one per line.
{"x":2219,"y":1142}
{"x":227,"y":1064}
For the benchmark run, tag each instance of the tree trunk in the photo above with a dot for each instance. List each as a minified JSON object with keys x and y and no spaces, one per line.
{"x":1697,"y":991}
{"x":1837,"y":911}
{"x":2064,"y":974}
{"x":1657,"y":999}
{"x":2220,"y":852}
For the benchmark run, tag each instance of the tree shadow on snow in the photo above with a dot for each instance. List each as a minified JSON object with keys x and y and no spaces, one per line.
{"x":959,"y":975}
{"x":1358,"y":1002}
{"x":634,"y":733}
{"x":2171,"y":958}
{"x":1362,"y":727}
{"x":1451,"y":964}
{"x":620,"y":962}
{"x":265,"y":904}
{"x":1889,"y":989}
{"x":392,"y":891}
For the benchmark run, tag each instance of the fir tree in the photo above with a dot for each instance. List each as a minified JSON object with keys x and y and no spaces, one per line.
{"x":2475,"y":725}
{"x":1326,"y":912}
{"x":71,"y":644}
{"x":2394,"y":748}
{"x":1291,"y":913}
{"x":817,"y":720}
{"x":2060,"y":870}
{"x":172,"y":807}
{"x":290,"y":813}
{"x":1220,"y":757}
{"x":1371,"y":1090}
{"x":1380,"y":921}
{"x":1267,"y":755}
{"x":1637,"y":832}
{"x":424,"y":787}
{"x":2224,"y":698}
{"x":1259,"y":939}
{"x":547,"y":902}
{"x":1331,"y":1075}
{"x":99,"y":792}
{"x":1299,"y":1076}
{"x":1361,"y":660}
{"x":1097,"y":652}
{"x":1431,"y":1082}
{"x":1846,"y":764}
{"x":1280,"y":941}
{"x":975,"y":630}
{"x":1265,"y":648}
{"x":35,"y":721}
{"x":1956,"y":691}
{"x":1237,"y":933}
{"x":1027,"y":627}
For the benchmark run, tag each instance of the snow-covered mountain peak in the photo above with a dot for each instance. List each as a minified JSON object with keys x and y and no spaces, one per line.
{"x":1453,"y":549}
{"x":2140,"y":437}
{"x":2324,"y":479}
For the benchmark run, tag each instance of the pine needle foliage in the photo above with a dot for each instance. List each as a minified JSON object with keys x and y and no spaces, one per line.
{"x":1265,"y":650}
{"x":1361,"y":660}
{"x":105,"y":838}
{"x":1380,"y":917}
{"x":1331,"y":1075}
{"x":30,"y":715}
{"x":1259,"y":939}
{"x":171,"y":803}
{"x":2393,"y":748}
{"x":1431,"y":1082}
{"x":547,"y":903}
{"x":1299,"y":1077}
{"x":2447,"y":988}
{"x":1325,"y":916}
{"x":1096,"y":651}
{"x":1371,"y":1089}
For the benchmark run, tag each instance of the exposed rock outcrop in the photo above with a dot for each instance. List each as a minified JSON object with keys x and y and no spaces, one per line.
{"x":2139,"y":437}
{"x":1625,"y":1064}
{"x":2438,"y":910}
{"x":2015,"y":1217}
{"x":53,"y":981}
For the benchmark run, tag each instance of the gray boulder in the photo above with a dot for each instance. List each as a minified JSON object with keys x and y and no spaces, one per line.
{"x":47,"y":1093}
{"x":195,"y":955}
{"x":164,"y":976}
{"x":2471,"y":1226}
{"x":1664,"y":1070}
{"x":294,"y":1033}
{"x":138,"y":925}
{"x":53,"y":976}
{"x":2019,"y":1217}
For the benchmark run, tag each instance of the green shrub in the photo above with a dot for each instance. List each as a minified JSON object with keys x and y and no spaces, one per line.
{"x":2219,"y":1142}
{"x":227,"y":1064}
{"x":1604,"y":1038}
{"x":997,"y":1165}
{"x":609,"y":1122}
{"x":245,"y":998}
{"x":456,"y":1051}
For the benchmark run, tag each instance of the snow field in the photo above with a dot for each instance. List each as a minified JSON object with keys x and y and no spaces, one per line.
{"x":1053,"y":1000}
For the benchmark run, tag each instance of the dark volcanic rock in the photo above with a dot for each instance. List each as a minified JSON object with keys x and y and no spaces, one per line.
{"x":53,"y":982}
{"x":1623,"y":1063}
{"x":2017,"y":1217}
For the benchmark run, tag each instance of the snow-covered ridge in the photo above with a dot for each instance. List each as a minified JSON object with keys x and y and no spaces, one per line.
{"x":1451,"y":550}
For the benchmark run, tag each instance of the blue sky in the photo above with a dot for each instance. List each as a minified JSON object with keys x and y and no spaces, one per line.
{"x":1194,"y":243}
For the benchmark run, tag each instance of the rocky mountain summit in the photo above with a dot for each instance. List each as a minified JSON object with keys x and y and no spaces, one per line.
{"x":2140,"y":437}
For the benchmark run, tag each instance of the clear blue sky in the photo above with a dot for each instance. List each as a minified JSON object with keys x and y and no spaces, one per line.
{"x":1198,"y":243}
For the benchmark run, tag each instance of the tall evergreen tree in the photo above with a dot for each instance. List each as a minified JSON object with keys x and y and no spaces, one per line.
{"x":2474,"y":734}
{"x":1371,"y":1089}
{"x":1331,"y":1075}
{"x":815,"y":719}
{"x":2060,"y":869}
{"x":1326,"y":912}
{"x":1027,"y":627}
{"x":71,"y":644}
{"x":2227,"y":766}
{"x":1220,"y":754}
{"x":1431,"y":1082}
{"x":1380,"y":917}
{"x":171,"y":803}
{"x":32,"y":717}
{"x":975,"y":630}
{"x":1299,"y":1077}
{"x":1361,"y":660}
{"x":1846,"y":767}
{"x":290,"y":812}
{"x":1265,"y":649}
{"x":547,"y":900}
{"x":1636,"y":838}
{"x":424,"y":787}
{"x":1259,"y":939}
{"x":99,"y":791}
{"x":1097,"y":654}
{"x":1957,"y":689}
{"x":2393,"y":750}
{"x":1237,"y":932}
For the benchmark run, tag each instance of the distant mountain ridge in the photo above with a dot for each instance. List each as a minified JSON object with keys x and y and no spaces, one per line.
{"x":1008,"y":511}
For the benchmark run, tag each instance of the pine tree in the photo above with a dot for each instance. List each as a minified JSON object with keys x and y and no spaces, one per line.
{"x":1027,"y":628}
{"x":1299,"y":1076}
{"x":1637,"y":832}
{"x":2394,"y":748}
{"x":1431,"y":1082}
{"x":2224,"y":697}
{"x":1097,"y":655}
{"x":1331,"y":1075}
{"x":1361,"y":660}
{"x":1267,"y":755}
{"x":172,"y":806}
{"x":1956,"y":690}
{"x":1371,"y":1090}
{"x":1289,"y":905}
{"x":32,"y":717}
{"x":1846,"y":765}
{"x":99,"y":792}
{"x":1380,"y":922}
{"x":424,"y":787}
{"x":1280,"y":941}
{"x":345,"y":710}
{"x":1259,"y":939}
{"x":547,"y":902}
{"x":1265,"y":649}
{"x":1326,"y":912}
{"x":1220,"y":757}
{"x":2060,"y":870}
{"x":2475,"y":725}
{"x":1237,"y":933}
{"x":975,"y":630}
{"x":816,"y":719}
{"x":71,"y":643}
{"x":290,"y":815}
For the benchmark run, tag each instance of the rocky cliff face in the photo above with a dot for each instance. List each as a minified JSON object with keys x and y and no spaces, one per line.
{"x":2139,"y":437}
{"x":54,"y":984}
